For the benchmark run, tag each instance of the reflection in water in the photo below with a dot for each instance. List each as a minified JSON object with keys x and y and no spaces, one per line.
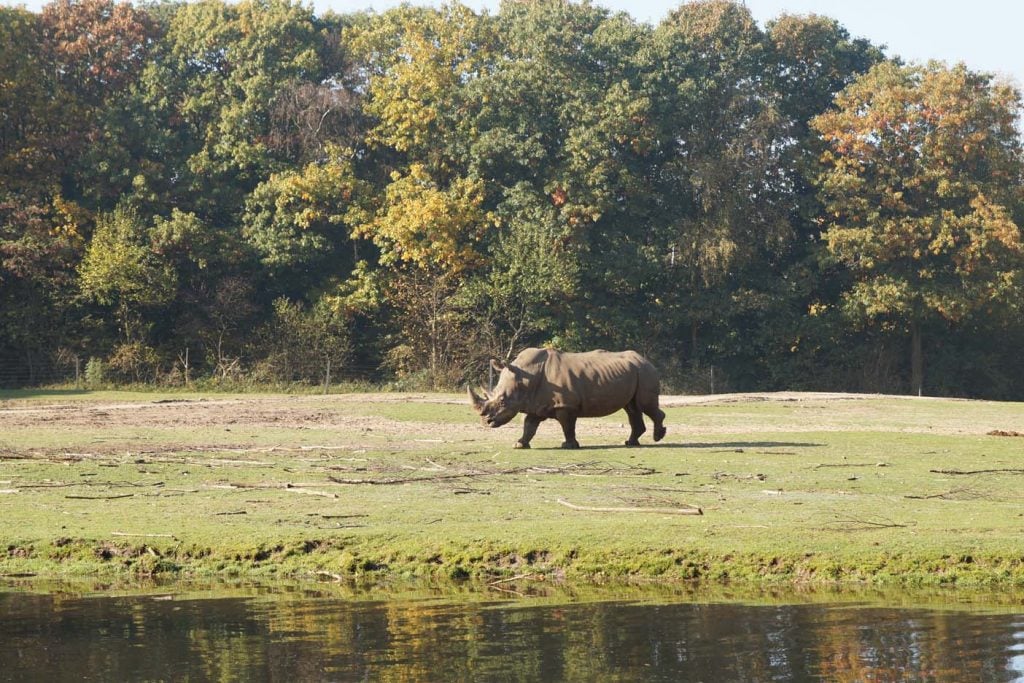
{"x":312,"y":638}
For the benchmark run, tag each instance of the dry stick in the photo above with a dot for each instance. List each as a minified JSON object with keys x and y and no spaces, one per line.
{"x":121,"y":533}
{"x":411,"y":480}
{"x":311,"y":492}
{"x":996,"y":471}
{"x":517,"y":577}
{"x":865,"y":524}
{"x":567,"y":470}
{"x":947,"y":495}
{"x":123,"y":495}
{"x":109,"y":484}
{"x":660,"y":511}
{"x":849,"y":464}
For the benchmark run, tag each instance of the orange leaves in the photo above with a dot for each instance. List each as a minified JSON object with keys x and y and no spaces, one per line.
{"x":559,"y":196}
{"x":97,"y":44}
{"x":913,"y":167}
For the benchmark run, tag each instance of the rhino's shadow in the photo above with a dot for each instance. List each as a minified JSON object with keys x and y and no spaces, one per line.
{"x":718,"y":444}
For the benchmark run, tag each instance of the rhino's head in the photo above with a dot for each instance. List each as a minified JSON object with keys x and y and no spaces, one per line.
{"x":508,"y":398}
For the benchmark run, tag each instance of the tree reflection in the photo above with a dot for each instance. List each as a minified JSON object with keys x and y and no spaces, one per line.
{"x":54,"y":637}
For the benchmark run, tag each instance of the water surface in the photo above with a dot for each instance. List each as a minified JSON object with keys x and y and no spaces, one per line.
{"x":315,"y":637}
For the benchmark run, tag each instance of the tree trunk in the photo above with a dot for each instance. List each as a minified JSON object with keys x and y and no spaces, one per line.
{"x":694,"y":361}
{"x":916,"y":359}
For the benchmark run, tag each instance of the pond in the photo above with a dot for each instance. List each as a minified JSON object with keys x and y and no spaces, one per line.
{"x":312,"y":635}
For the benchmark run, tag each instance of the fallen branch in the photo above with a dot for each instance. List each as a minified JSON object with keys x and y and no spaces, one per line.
{"x":581,"y":469}
{"x":866,"y":524}
{"x":114,"y":497}
{"x":964,"y":493}
{"x":296,"y":488}
{"x":850,"y":464}
{"x":1007,"y":470}
{"x":660,"y":511}
{"x":123,"y":534}
{"x":517,"y":577}
{"x":311,"y":492}
{"x":413,"y":480}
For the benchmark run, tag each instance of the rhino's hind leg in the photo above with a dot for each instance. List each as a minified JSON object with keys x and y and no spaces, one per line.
{"x":659,"y":426}
{"x":657,"y":415}
{"x":636,"y":423}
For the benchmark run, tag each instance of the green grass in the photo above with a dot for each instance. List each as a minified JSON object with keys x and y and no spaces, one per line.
{"x":807,"y":491}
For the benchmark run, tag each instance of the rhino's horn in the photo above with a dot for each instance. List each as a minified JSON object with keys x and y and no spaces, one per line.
{"x":478,"y":403}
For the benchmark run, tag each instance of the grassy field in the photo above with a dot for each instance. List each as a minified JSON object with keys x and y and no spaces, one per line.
{"x":793,"y":488}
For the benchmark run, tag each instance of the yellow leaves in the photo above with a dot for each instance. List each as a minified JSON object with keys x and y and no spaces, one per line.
{"x":428,"y":55}
{"x":68,"y":218}
{"x":816,"y":309}
{"x":914,"y":189}
{"x":428,"y":225}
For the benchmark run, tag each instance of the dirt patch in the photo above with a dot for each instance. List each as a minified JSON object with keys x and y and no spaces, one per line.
{"x":346,"y":422}
{"x":1003,"y":432}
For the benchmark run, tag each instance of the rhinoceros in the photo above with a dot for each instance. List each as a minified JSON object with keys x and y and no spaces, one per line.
{"x":544,"y":383}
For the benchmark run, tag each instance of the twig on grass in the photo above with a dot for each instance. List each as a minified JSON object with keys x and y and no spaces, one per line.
{"x":294,"y":488}
{"x":1005,"y":470}
{"x":849,"y":464}
{"x":408,"y":480}
{"x":574,"y":469}
{"x":310,"y":492}
{"x":959,"y":493}
{"x":867,"y":524}
{"x":660,"y":511}
{"x":124,"y":534}
{"x":114,"y":497}
{"x":98,"y":484}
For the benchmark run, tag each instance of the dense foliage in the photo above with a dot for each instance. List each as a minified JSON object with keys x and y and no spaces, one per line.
{"x":251,"y":192}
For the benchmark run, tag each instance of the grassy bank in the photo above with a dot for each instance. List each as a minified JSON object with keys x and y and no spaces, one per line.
{"x":383,"y":487}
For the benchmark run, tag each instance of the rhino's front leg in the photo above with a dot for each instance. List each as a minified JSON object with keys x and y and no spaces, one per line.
{"x":530,"y":424}
{"x":567,"y":419}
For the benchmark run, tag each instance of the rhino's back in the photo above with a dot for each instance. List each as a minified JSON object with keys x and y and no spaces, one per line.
{"x":597,"y":383}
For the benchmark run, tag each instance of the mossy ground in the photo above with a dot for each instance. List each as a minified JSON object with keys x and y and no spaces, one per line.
{"x":795,"y":489}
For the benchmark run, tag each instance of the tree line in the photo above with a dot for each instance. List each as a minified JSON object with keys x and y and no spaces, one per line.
{"x":252,"y":193}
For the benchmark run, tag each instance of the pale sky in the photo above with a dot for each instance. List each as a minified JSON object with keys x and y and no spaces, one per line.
{"x":984,"y":34}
